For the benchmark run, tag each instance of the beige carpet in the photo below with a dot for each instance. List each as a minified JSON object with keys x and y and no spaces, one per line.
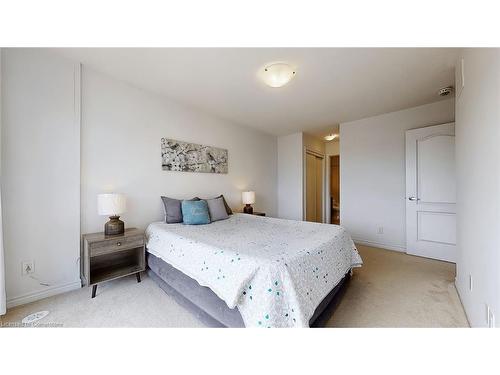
{"x":118,"y":303}
{"x":397,"y":290}
{"x":390,"y":290}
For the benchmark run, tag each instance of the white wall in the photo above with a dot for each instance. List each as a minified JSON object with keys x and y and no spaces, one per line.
{"x":291,"y":171}
{"x":372,"y":172}
{"x":40,"y":172}
{"x":121,"y":128}
{"x":290,"y":176}
{"x":3,"y":304}
{"x":477,"y":132}
{"x":121,"y":131}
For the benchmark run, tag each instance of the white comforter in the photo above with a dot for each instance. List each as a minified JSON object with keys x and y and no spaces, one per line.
{"x":275,"y":271}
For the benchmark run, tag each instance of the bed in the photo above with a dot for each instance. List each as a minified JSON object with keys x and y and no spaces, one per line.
{"x":252,"y":271}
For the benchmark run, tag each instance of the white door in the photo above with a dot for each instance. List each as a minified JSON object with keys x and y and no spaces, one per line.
{"x":431,"y":192}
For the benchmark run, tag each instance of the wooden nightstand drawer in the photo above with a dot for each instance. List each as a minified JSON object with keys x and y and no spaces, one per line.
{"x":115,"y":244}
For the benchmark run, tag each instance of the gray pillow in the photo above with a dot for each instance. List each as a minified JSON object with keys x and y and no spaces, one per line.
{"x":228,"y":209}
{"x":217,"y":209}
{"x":173,"y":211}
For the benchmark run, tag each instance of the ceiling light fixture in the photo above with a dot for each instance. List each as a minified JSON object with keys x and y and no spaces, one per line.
{"x":277,"y":74}
{"x":331,"y":137}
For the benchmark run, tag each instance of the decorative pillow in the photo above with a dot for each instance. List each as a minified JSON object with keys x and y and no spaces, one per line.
{"x":217,"y":209}
{"x":173,"y":211}
{"x":195,"y":212}
{"x":228,"y":209}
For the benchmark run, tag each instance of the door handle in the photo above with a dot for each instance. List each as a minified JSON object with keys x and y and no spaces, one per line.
{"x":413,"y":199}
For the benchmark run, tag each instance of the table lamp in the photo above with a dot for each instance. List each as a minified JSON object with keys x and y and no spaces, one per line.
{"x":112,"y":205}
{"x":248,"y":198}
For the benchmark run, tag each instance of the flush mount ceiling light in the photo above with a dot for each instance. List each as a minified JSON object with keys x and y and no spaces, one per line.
{"x":331,"y":137}
{"x":277,"y":74}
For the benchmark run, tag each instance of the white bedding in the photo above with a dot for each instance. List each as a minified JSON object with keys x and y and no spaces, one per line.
{"x":275,"y":271}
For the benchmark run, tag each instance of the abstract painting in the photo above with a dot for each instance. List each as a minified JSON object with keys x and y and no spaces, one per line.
{"x":191,"y":157}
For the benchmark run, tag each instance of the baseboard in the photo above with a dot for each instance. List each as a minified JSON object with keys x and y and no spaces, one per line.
{"x":49,"y":292}
{"x":460,"y":290}
{"x":401,"y":249}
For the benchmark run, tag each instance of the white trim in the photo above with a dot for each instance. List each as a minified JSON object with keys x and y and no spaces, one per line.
{"x":384,"y":246}
{"x":461,"y":292}
{"x":2,"y":256}
{"x":49,"y":292}
{"x":312,"y":152}
{"x":77,"y":109}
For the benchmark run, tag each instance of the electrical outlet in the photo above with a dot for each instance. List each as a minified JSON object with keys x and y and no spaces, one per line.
{"x":470,"y":282}
{"x":380,"y":230}
{"x":27,"y":267}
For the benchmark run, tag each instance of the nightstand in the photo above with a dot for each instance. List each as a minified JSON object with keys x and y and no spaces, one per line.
{"x":107,"y":258}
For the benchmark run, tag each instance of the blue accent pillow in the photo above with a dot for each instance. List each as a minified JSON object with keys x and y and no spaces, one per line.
{"x":195,"y":212}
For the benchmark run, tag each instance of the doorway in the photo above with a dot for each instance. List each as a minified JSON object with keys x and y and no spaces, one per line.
{"x":335,"y":189}
{"x":314,"y":186}
{"x":431,"y":192}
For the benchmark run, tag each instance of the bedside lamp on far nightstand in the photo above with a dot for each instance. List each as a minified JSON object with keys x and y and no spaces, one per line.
{"x":248,"y":198}
{"x":112,"y":205}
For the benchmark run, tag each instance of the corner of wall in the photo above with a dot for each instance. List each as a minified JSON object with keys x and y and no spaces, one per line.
{"x":290,"y":176}
{"x":478,"y":160}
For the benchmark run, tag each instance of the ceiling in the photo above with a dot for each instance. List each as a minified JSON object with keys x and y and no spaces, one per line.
{"x":332,"y":85}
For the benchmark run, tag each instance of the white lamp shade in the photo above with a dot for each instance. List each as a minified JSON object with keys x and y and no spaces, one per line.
{"x":248,"y":197}
{"x":111,"y":204}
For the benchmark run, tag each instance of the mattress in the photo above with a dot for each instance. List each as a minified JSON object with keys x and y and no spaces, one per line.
{"x":275,"y":272}
{"x":210,"y":309}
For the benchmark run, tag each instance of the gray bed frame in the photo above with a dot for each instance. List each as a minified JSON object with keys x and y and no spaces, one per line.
{"x":212,"y":310}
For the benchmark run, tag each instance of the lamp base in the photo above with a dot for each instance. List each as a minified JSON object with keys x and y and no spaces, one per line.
{"x":248,"y":209}
{"x":114,"y":226}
